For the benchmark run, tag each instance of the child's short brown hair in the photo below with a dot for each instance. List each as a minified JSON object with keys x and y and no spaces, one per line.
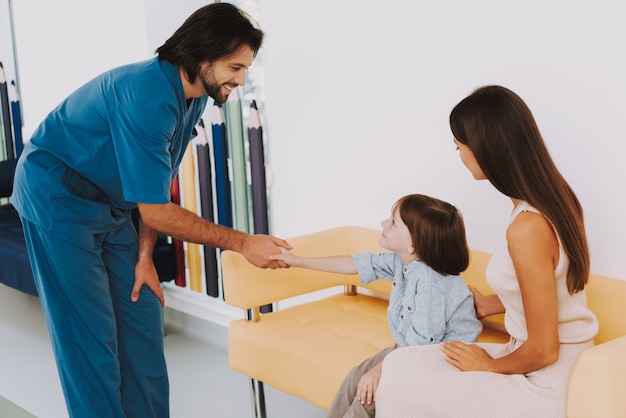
{"x":437,"y":231}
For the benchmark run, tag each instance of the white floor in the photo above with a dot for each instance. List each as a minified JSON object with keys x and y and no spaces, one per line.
{"x":201,"y":384}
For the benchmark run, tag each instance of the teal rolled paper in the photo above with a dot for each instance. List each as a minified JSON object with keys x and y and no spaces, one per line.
{"x":239,"y":181}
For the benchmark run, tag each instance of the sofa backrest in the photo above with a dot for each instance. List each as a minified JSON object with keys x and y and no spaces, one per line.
{"x":607,"y":299}
{"x":248,"y":287}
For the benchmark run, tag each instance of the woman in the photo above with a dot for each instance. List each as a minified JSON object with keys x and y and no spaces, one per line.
{"x":538,"y":272}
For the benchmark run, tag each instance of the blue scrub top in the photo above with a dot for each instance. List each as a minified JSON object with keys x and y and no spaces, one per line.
{"x":116,"y":141}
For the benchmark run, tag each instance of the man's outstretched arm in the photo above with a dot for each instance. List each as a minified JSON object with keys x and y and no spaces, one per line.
{"x":184,"y":225}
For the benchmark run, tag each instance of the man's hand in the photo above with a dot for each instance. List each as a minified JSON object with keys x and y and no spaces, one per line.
{"x":184,"y":225}
{"x":258,"y":248}
{"x":145,"y":273}
{"x":368,"y":384}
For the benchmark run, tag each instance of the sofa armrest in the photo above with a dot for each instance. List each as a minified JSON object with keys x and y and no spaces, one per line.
{"x":598,"y":384}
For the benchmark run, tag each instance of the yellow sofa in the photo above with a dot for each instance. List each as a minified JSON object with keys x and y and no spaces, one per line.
{"x":307,"y":349}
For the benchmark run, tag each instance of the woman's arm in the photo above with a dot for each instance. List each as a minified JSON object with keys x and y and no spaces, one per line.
{"x":338,"y":264}
{"x":534,"y":249}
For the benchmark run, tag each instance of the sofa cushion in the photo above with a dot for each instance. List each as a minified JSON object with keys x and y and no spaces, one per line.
{"x":296,"y":350}
{"x":350,"y":328}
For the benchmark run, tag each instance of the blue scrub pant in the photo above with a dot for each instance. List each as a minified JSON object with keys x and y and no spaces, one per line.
{"x":108,"y":350}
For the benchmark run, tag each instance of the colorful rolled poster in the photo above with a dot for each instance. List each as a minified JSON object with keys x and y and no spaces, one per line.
{"x":179,"y":248}
{"x":16,"y":116}
{"x":222,"y":176}
{"x":3,"y":152}
{"x":189,"y":202}
{"x":257,"y":177}
{"x":234,"y":131}
{"x":6,"y":115}
{"x":205,"y":179}
{"x":257,"y":171}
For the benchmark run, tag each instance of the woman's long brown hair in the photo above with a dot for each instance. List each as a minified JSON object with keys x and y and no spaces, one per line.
{"x":500,"y":130}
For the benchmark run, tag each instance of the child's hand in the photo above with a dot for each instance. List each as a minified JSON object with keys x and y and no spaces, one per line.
{"x":368,"y":384}
{"x":285,"y":256}
{"x":486,"y":304}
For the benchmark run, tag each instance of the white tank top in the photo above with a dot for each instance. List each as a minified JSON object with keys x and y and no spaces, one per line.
{"x":576,"y":321}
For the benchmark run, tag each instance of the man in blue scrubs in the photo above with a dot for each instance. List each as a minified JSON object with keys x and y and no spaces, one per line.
{"x":113,"y":145}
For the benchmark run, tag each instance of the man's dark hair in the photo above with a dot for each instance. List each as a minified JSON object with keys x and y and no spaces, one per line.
{"x":210,"y":33}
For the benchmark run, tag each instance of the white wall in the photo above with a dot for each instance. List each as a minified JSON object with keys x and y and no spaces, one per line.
{"x":358,"y":95}
{"x":62,"y":44}
{"x":6,"y":44}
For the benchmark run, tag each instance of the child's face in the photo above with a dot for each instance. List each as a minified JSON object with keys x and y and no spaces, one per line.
{"x":396,"y":236}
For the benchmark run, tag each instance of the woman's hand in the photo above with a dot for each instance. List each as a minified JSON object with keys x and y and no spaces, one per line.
{"x":467,"y":357}
{"x":368,"y":384}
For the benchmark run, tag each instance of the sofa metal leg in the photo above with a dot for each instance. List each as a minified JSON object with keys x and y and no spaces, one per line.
{"x":258,"y":398}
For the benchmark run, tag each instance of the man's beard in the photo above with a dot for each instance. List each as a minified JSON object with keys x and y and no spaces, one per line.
{"x":210,"y":85}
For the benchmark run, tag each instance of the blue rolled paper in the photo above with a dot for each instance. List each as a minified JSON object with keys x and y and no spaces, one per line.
{"x":16,"y":116}
{"x":6,"y":115}
{"x":221,"y":158}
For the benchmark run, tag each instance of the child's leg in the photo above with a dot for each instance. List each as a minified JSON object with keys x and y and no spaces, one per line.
{"x":345,"y":403}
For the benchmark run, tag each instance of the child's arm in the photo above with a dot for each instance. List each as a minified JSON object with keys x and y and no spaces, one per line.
{"x":337,"y":264}
{"x":486,"y":304}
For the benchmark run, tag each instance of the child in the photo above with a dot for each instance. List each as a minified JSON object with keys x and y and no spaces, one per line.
{"x":429,"y":301}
